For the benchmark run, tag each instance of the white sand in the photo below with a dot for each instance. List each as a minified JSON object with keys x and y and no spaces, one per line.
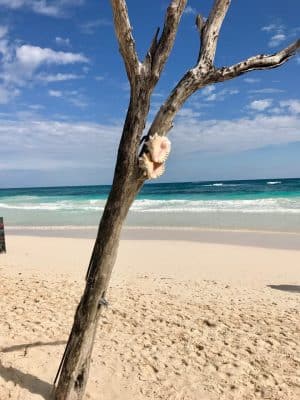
{"x":186,"y":320}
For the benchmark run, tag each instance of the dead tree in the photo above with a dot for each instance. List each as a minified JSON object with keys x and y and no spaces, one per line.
{"x":130,"y":173}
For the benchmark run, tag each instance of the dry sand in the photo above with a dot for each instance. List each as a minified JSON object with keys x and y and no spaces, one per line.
{"x":186,"y":320}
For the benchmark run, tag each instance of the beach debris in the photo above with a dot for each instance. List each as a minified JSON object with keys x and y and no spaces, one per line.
{"x":152,"y":161}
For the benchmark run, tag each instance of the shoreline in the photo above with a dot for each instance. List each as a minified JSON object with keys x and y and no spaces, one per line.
{"x":264,"y":239}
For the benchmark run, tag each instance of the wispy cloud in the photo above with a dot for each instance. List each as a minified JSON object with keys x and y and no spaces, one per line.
{"x":3,"y":31}
{"x":7,"y":94}
{"x":266,"y":91}
{"x":260,"y":105}
{"x":55,"y":93}
{"x":90,"y":27}
{"x":293,"y":105}
{"x":188,"y":113}
{"x":64,"y":42}
{"x":251,"y":80}
{"x":279,"y":33}
{"x":224,"y":136}
{"x":210,"y":93}
{"x":71,"y":96}
{"x":190,"y":10}
{"x":46,"y":148}
{"x":22,"y":64}
{"x":62,"y":146}
{"x":273,"y":28}
{"x":59,"y":77}
{"x":56,"y":8}
{"x":277,"y":39}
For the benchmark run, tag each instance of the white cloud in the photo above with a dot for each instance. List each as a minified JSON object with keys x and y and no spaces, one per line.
{"x":54,"y":9}
{"x":277,"y":39}
{"x":56,"y":145}
{"x":7,"y":94}
{"x":53,"y":145}
{"x":90,"y":27}
{"x":220,"y":95}
{"x":63,"y":41}
{"x":187,"y":112}
{"x":208,"y":90}
{"x":3,"y":31}
{"x":55,"y":93}
{"x":273,"y":28}
{"x":190,"y":10}
{"x":260,"y":105}
{"x":33,"y":56}
{"x":279,"y":33}
{"x":36,"y":107}
{"x":21,"y":65}
{"x":57,"y":77}
{"x":251,"y":80}
{"x":71,"y":96}
{"x":238,"y":135}
{"x":293,"y":105}
{"x":266,"y":91}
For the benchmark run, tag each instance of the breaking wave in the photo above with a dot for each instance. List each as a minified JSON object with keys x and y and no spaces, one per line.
{"x":269,"y":205}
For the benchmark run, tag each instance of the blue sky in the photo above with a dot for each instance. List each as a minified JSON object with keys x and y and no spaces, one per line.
{"x":64,"y":92}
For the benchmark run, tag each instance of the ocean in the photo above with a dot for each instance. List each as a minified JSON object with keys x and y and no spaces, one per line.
{"x":263,"y":205}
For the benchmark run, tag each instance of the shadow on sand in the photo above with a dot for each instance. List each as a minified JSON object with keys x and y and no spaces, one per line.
{"x":26,"y":380}
{"x":286,"y":288}
{"x":29,"y":345}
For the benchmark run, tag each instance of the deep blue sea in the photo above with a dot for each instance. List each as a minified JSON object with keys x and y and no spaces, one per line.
{"x":267,"y":204}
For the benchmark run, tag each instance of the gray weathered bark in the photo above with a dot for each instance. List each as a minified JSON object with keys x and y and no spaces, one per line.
{"x":128,"y":178}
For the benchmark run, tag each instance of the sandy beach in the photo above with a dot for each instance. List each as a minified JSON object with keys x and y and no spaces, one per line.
{"x":187,"y":319}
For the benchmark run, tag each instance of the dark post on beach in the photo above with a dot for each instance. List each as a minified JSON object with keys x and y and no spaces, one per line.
{"x":2,"y":237}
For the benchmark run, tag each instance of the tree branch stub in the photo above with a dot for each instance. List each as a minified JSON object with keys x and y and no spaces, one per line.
{"x":210,"y":32}
{"x":163,"y":47}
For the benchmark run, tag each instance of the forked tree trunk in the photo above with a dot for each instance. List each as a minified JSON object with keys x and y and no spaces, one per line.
{"x":143,"y":76}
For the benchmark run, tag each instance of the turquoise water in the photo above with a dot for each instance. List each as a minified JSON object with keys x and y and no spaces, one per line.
{"x":270,"y":204}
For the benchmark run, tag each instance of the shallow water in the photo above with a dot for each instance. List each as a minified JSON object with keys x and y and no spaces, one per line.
{"x":270,"y":204}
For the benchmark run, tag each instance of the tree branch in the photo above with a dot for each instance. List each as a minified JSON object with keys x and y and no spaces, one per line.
{"x":163,"y":120}
{"x":200,"y":24}
{"x":210,"y":32}
{"x":160,"y":50}
{"x":125,"y":38}
{"x":257,"y":62}
{"x":195,"y":79}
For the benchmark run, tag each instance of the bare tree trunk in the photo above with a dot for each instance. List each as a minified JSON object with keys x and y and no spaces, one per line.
{"x":76,"y":362}
{"x":127,"y":183}
{"x":128,"y":179}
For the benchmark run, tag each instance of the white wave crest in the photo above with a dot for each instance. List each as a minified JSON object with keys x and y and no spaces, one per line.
{"x":269,"y":205}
